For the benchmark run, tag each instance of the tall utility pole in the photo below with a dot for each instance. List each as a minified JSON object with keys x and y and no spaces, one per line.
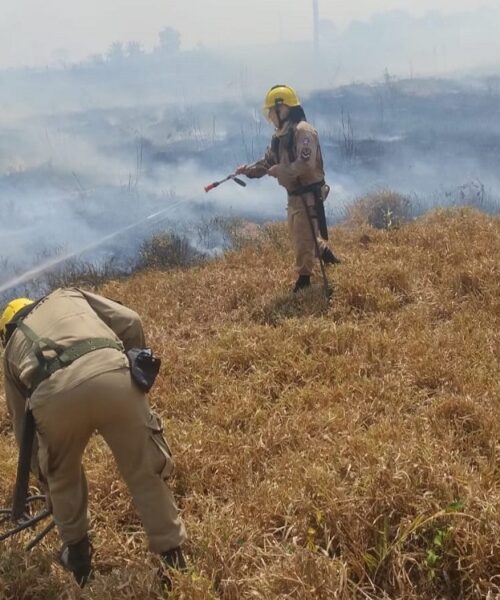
{"x":316,"y":26}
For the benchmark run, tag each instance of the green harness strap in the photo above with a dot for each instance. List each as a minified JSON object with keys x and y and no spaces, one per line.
{"x":63,"y":356}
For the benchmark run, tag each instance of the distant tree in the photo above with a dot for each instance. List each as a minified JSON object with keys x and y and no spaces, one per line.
{"x":390,"y":88}
{"x":95,"y":60}
{"x":492,"y":85}
{"x":116,"y":52}
{"x":134,"y":50}
{"x":170,"y":41}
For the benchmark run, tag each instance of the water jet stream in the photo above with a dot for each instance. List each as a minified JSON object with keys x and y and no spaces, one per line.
{"x":27,"y":275}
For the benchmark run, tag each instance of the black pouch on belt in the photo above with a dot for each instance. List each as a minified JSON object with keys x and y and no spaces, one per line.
{"x":320,"y":214}
{"x":144,"y":367}
{"x":320,"y":191}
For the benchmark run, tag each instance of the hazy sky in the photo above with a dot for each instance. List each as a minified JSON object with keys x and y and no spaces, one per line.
{"x":36,"y":32}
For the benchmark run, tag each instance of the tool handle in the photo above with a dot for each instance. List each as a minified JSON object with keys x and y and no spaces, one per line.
{"x":239,"y":181}
{"x":211,"y":186}
{"x":23,"y":466}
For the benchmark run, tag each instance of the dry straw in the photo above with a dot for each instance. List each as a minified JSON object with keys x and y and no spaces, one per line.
{"x":349,"y":452}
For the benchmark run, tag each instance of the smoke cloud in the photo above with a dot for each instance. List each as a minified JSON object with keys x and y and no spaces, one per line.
{"x":96,"y":156}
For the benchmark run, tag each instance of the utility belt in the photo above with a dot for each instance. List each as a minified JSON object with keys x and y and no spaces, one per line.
{"x":313,"y":188}
{"x":320,"y":190}
{"x":144,"y":365}
{"x":64,"y":356}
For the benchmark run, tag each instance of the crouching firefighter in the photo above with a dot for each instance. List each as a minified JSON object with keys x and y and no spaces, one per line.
{"x":294,"y":159}
{"x":75,"y":363}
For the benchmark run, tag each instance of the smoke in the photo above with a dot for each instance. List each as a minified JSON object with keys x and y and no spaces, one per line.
{"x":100,"y":241}
{"x":95,"y":156}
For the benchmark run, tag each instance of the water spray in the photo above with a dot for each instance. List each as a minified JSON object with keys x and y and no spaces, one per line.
{"x":27,"y":275}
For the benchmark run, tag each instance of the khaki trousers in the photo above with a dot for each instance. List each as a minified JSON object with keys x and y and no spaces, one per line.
{"x":301,"y":234}
{"x":113,"y":405}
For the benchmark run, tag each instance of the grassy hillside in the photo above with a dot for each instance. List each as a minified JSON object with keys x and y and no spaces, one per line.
{"x":342,"y":452}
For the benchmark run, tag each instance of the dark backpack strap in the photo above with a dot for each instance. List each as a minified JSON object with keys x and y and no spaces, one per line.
{"x":38,"y":343}
{"x":64,"y":356}
{"x":70,"y":354}
{"x":290,"y":145}
{"x":37,"y":340}
{"x":288,"y":141}
{"x":67,"y":356}
{"x":275,"y":148}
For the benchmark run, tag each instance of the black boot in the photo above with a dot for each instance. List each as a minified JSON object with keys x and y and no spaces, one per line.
{"x":77,"y":558}
{"x":174,"y":561}
{"x":329,"y":258}
{"x":302,"y":282}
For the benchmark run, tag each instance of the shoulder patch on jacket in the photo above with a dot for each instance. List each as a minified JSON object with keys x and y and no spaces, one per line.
{"x":305,"y":153}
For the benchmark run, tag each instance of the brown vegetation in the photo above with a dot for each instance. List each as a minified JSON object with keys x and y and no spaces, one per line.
{"x":342,"y":452}
{"x":383,"y":210}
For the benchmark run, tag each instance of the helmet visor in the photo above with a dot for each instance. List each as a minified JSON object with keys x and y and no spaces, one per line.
{"x":276,"y":114}
{"x":269,"y":114}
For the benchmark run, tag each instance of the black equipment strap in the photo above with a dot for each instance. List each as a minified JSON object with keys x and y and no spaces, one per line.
{"x":63,"y":356}
{"x":23,"y":466}
{"x":308,"y":189}
{"x":319,"y":207}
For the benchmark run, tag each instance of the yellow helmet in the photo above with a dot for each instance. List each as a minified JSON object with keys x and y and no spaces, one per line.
{"x":11,"y":311}
{"x":281,"y":94}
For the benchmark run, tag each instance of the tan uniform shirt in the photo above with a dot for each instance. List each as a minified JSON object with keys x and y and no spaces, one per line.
{"x":300,"y":162}
{"x":67,"y":316}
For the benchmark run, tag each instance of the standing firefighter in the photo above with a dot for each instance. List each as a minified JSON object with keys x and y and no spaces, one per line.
{"x":65,"y":361}
{"x":294,"y":158}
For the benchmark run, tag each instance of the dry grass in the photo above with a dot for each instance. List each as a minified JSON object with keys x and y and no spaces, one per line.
{"x":383,"y":210}
{"x":349,"y":452}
